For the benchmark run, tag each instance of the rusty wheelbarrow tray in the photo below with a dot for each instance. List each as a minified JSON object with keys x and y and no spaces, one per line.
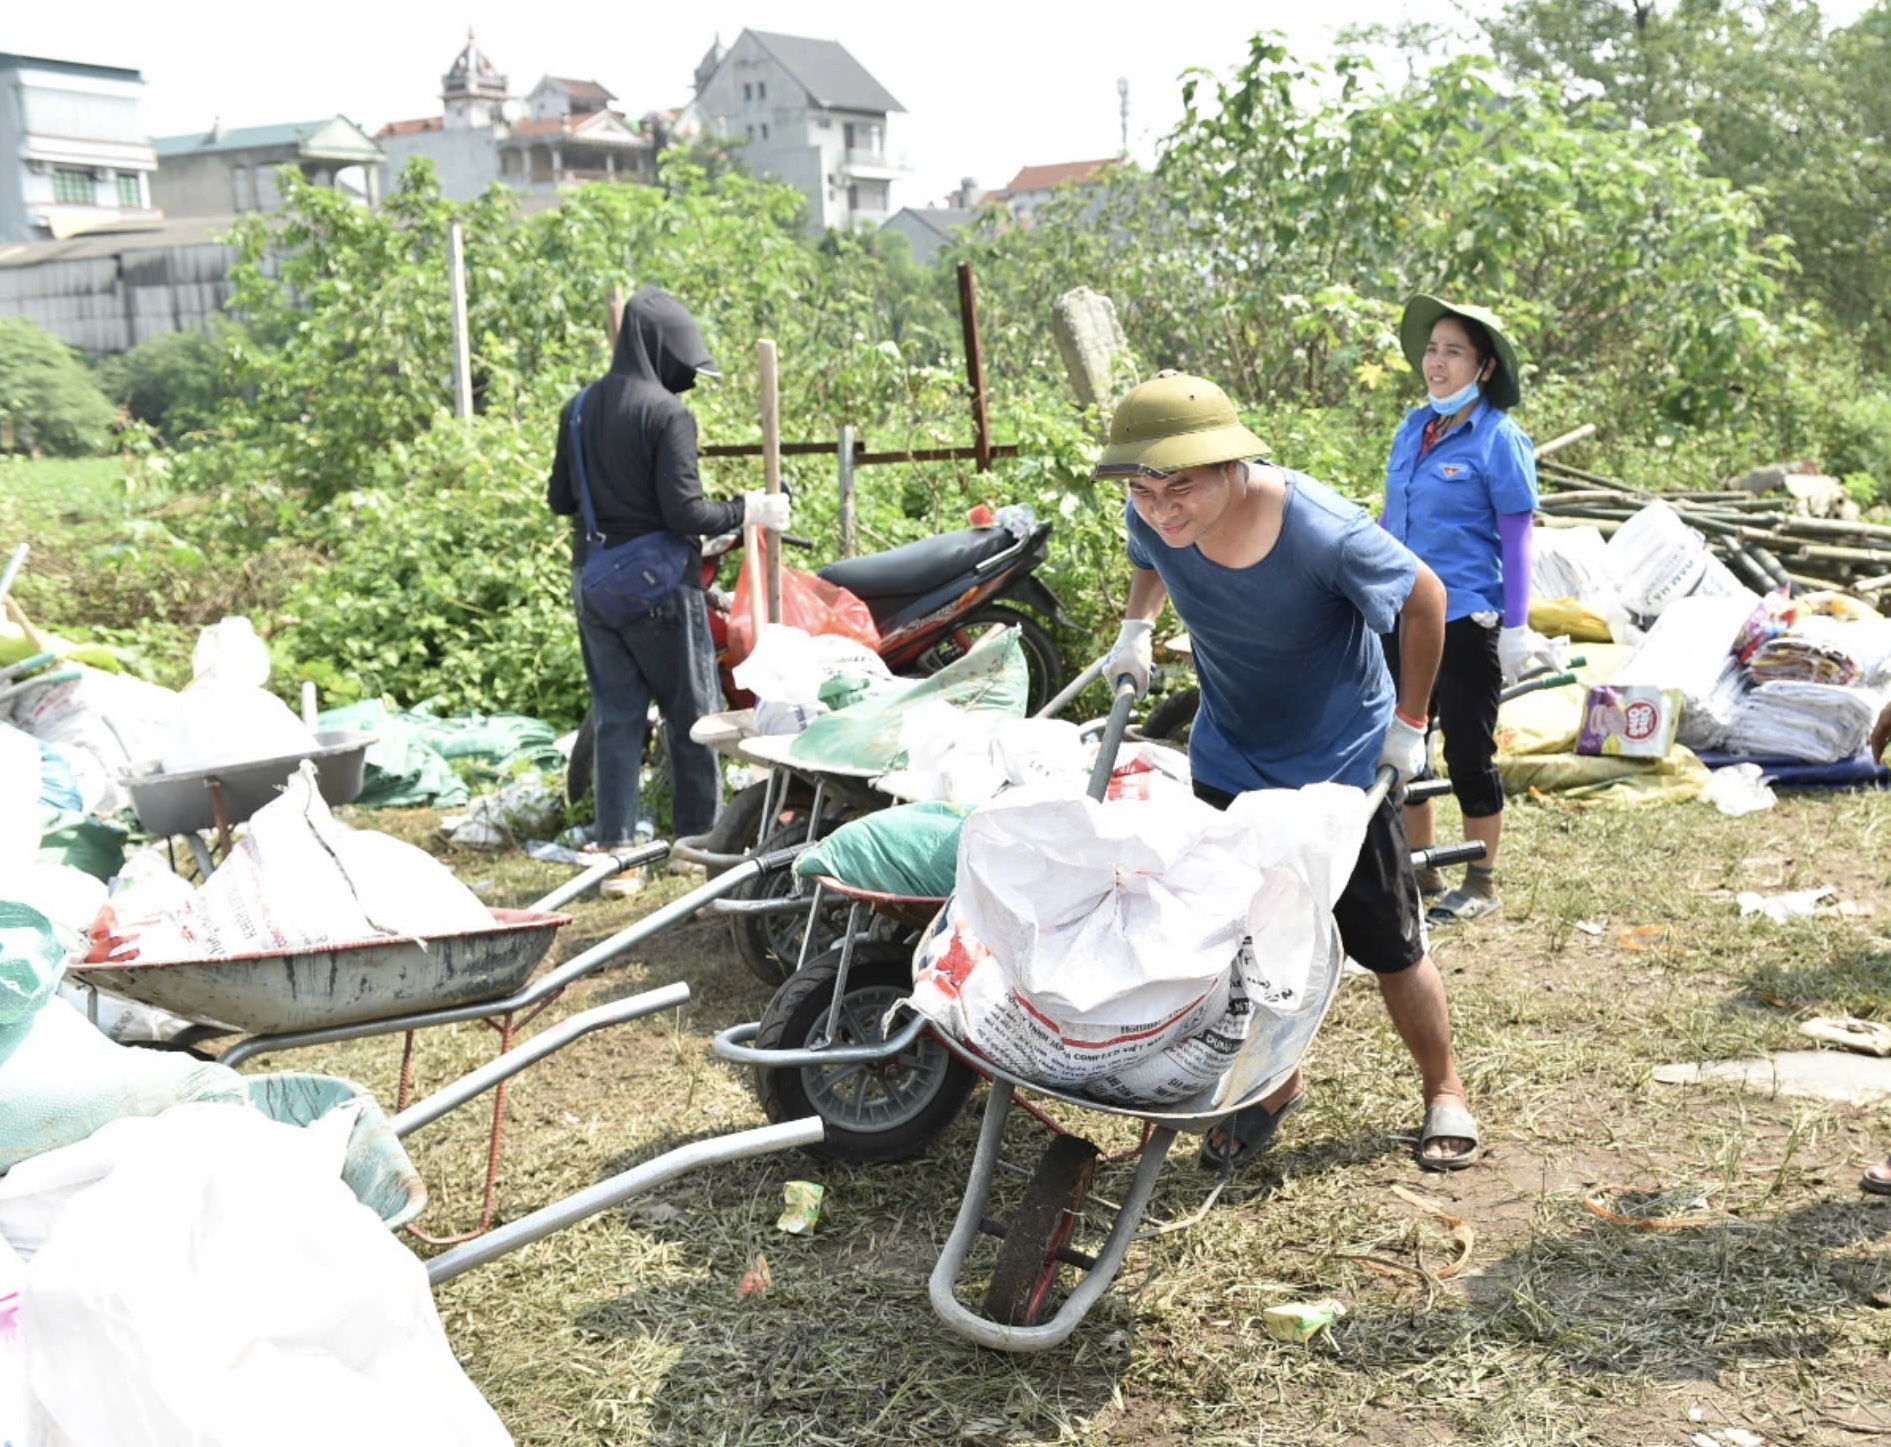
{"x":281,"y":991}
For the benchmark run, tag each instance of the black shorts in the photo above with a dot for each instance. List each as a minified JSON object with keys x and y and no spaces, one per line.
{"x":1464,"y":701}
{"x":1379,"y":920}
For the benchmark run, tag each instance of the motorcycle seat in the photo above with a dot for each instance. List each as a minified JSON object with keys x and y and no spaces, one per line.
{"x":916,"y":568}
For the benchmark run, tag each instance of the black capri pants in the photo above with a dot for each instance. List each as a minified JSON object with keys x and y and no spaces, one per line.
{"x":1464,"y":704}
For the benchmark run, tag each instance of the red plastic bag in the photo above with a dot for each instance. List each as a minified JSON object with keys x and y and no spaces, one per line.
{"x":809,"y":603}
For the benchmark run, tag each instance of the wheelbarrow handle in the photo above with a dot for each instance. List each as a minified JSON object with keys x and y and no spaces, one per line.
{"x":1437,"y":856}
{"x":1070,"y":690}
{"x":1113,"y":729}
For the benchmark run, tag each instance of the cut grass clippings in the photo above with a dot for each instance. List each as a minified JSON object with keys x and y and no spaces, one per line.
{"x":1562,"y":1327}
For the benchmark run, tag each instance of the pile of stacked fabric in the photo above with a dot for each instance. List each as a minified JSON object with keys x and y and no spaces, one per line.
{"x":1816,"y":722}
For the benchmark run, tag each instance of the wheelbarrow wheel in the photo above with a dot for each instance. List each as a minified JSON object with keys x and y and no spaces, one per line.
{"x":874,"y":1113}
{"x":770,"y":944}
{"x":1028,"y":1263}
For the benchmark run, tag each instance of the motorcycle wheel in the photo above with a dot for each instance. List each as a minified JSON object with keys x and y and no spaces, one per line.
{"x":1040,"y":653}
{"x":1173,"y":718}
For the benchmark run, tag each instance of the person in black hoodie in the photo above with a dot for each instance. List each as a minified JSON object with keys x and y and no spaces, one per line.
{"x":639,"y":444}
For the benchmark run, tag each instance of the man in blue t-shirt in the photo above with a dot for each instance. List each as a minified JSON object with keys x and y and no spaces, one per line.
{"x":1284,"y":588}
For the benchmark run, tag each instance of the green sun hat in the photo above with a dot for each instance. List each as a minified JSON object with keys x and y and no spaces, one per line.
{"x":1171,"y":422}
{"x":1422,"y":313}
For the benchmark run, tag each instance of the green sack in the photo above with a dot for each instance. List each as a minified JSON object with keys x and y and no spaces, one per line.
{"x":993,"y":677}
{"x":910,"y":849}
{"x":79,"y":841}
{"x":31,"y":961}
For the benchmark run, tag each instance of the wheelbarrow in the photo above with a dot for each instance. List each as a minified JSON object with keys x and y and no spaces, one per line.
{"x":287,"y":999}
{"x":777,"y":923}
{"x":886,"y":1092}
{"x":224,"y":796}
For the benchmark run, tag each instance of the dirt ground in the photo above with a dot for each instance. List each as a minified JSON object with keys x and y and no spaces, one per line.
{"x":1533,"y":1320}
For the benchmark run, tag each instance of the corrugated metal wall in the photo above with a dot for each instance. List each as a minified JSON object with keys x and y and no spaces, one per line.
{"x":106,"y":305}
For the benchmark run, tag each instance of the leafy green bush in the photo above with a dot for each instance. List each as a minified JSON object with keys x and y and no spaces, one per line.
{"x":48,"y":401}
{"x":450,"y":589}
{"x":174,"y":381}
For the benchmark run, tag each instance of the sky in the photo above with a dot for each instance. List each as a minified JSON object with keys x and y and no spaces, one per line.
{"x":989,"y":86}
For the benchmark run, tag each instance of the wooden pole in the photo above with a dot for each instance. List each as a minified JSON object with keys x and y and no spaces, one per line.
{"x":771,"y":463}
{"x":848,"y":540}
{"x":614,"y":315}
{"x":974,"y":366}
{"x":462,"y":352}
{"x":1557,"y":444}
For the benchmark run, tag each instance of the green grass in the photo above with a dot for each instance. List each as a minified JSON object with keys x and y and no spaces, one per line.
{"x":1564,"y":1329}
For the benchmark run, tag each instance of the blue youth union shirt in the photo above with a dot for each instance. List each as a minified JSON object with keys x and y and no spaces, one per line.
{"x":1444,"y":506}
{"x":1294,"y":684}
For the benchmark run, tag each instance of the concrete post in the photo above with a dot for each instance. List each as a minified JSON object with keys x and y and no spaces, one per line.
{"x":1090,"y":340}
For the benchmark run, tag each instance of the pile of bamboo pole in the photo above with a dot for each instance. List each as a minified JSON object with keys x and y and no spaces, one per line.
{"x":1765,"y":540}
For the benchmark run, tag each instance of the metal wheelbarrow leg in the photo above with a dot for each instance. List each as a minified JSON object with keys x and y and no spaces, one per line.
{"x":984,"y":1331}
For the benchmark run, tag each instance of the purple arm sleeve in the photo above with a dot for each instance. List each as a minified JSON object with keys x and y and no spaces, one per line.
{"x":1514,"y":529}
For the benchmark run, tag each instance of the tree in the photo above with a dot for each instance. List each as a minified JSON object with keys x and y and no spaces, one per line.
{"x":1792,"y":115}
{"x":48,"y":401}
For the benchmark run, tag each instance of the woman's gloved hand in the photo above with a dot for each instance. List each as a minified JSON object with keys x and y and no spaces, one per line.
{"x":766,"y":510}
{"x":1133,"y":655}
{"x":1521,"y":649}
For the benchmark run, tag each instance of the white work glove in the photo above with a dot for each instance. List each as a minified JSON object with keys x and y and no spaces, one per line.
{"x":766,"y":510}
{"x":1521,"y":648}
{"x":1403,"y":750}
{"x":1133,"y":655}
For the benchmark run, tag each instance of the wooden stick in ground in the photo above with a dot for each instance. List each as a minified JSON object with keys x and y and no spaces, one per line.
{"x":614,"y":315}
{"x":33,"y":635}
{"x":771,"y":463}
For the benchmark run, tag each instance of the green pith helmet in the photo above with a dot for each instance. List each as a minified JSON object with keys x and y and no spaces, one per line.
{"x":1504,"y":390}
{"x":1171,"y":422}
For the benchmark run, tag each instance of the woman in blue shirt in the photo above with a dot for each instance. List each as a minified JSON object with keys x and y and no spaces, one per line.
{"x":1460,"y":491}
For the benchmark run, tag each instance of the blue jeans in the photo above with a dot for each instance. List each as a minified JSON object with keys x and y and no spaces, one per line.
{"x":668,"y":657}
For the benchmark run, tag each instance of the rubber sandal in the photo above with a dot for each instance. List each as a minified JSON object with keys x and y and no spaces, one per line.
{"x":1461,"y":906}
{"x":1252,"y":1130}
{"x":1454,"y":1122}
{"x":1876,"y":1185}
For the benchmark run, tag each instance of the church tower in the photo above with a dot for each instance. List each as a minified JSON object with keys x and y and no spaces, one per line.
{"x":473,"y":89}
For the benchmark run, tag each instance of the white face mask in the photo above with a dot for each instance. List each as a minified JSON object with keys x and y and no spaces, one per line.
{"x":1463,"y":397}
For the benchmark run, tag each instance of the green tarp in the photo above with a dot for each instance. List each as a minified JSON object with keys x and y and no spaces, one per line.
{"x":418,"y":761}
{"x":79,"y":841}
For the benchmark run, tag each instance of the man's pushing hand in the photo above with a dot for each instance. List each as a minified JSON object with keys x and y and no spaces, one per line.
{"x":1133,"y":655}
{"x":1403,"y":750}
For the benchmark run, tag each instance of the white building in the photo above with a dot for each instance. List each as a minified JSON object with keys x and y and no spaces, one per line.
{"x":73,"y":153}
{"x":806,"y":112}
{"x":563,"y":134}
